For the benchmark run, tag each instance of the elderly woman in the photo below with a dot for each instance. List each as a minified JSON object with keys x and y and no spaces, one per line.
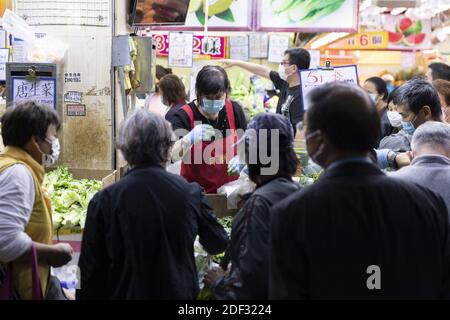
{"x":138,"y":239}
{"x":249,"y":246}
{"x":29,"y":132}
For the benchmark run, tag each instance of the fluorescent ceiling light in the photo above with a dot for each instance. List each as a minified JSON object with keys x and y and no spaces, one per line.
{"x":327,"y":39}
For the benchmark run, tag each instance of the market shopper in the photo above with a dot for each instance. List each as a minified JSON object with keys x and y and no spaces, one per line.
{"x":377,"y":90}
{"x":153,"y":101}
{"x":438,"y":70}
{"x":29,"y":132}
{"x":249,"y":246}
{"x":286,"y":80}
{"x":356,"y":234}
{"x":390,"y":82}
{"x":431,"y":164}
{"x":418,"y":102}
{"x":173,"y":95}
{"x":443,"y":89}
{"x":207,"y":129}
{"x":140,"y":232}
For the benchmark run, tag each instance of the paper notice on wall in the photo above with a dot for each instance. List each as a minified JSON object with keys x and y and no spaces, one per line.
{"x":19,"y":51}
{"x":64,"y":12}
{"x":239,"y":49}
{"x":277,"y":47}
{"x":259,"y":43}
{"x":4,"y":58}
{"x":42,"y":91}
{"x":3,"y":38}
{"x":315,"y":59}
{"x":181,"y":49}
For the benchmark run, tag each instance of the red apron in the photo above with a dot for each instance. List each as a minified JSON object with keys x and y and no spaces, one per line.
{"x":207,"y":162}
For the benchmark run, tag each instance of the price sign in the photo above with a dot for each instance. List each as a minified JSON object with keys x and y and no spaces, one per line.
{"x":363,"y":41}
{"x":313,"y":78}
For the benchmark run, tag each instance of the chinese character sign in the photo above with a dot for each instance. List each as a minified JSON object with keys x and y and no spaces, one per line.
{"x":42,"y":91}
{"x":202,"y":47}
{"x":313,"y":78}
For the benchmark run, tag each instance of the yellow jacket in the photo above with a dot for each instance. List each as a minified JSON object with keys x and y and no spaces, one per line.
{"x":39,"y":228}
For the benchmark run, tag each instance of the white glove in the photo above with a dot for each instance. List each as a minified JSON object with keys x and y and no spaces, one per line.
{"x":201,"y":132}
{"x":235,"y":166}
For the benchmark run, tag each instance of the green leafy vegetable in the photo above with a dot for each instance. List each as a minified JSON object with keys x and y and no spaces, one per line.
{"x":70,"y":197}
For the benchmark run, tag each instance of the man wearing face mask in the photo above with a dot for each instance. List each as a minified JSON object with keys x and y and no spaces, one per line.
{"x":286,"y":80}
{"x":356,"y":233}
{"x":29,"y":132}
{"x":207,"y":130}
{"x":417,"y":102}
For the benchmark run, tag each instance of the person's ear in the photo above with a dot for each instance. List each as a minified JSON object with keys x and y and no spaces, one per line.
{"x":427,"y":112}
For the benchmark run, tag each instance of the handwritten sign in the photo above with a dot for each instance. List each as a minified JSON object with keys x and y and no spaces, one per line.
{"x":3,"y":38}
{"x":180,"y":49}
{"x":73,"y":96}
{"x":239,"y":48}
{"x":42,"y":91}
{"x":313,"y":78}
{"x":212,"y":47}
{"x":4,"y":58}
{"x":258,"y":45}
{"x":277,"y":47}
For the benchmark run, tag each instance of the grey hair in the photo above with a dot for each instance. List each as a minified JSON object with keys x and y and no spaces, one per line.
{"x":432,"y":133}
{"x":145,"y":138}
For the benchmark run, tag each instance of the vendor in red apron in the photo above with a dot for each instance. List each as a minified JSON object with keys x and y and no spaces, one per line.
{"x":208,"y":129}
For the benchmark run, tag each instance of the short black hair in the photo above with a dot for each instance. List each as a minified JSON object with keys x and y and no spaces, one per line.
{"x":346,"y":114}
{"x":394,"y":97}
{"x":161,"y":71}
{"x":23,"y":121}
{"x":440,"y":71}
{"x":211,"y":80}
{"x":300,"y":57}
{"x":417,"y":93}
{"x":380,"y":85}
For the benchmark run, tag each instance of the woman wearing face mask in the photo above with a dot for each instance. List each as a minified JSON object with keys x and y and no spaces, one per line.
{"x":377,"y":90}
{"x":29,"y":134}
{"x":207,"y":128}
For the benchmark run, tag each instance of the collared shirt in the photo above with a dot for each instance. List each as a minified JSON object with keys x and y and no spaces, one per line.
{"x":349,"y":160}
{"x":16,"y":204}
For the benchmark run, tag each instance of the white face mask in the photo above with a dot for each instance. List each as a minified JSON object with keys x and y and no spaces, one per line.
{"x":282,"y":72}
{"x":50,"y":159}
{"x":373,"y":96}
{"x":395,"y":119}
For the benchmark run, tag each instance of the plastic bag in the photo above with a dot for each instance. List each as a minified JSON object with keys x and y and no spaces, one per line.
{"x":47,"y":49}
{"x":236,"y":189}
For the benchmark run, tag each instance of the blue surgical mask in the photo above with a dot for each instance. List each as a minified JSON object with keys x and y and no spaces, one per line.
{"x":212,"y":106}
{"x":408,"y":126}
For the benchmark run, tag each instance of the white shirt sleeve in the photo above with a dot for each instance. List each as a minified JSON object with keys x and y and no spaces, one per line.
{"x":16,"y":204}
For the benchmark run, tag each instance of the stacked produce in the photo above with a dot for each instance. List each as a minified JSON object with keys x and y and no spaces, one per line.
{"x":70,"y":197}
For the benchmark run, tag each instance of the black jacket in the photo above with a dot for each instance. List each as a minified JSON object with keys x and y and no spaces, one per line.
{"x":326,"y":237}
{"x":249,"y":246}
{"x":139,"y":236}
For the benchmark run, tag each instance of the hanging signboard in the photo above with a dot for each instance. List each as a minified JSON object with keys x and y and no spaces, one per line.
{"x":405,"y":33}
{"x":42,"y":91}
{"x":224,"y":15}
{"x":373,"y":40}
{"x":259,"y":45}
{"x":277,"y":46}
{"x":213,"y":47}
{"x":180,"y":49}
{"x":307,"y":15}
{"x":313,"y":78}
{"x":239,"y":48}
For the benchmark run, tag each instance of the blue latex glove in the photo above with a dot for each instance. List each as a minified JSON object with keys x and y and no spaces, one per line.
{"x":201,"y":132}
{"x":235,"y":166}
